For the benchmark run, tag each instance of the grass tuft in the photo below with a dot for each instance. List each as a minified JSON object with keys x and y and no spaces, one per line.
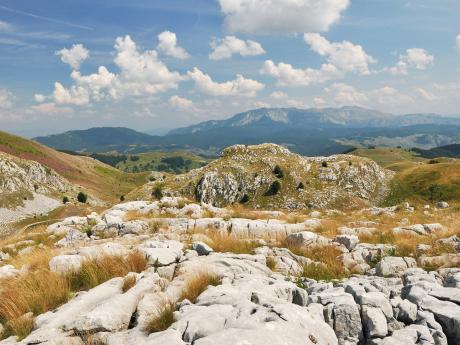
{"x":197,"y":283}
{"x":95,"y":272}
{"x":162,"y":319}
{"x":128,"y":282}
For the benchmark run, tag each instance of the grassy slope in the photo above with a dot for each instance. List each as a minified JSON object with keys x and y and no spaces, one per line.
{"x":390,"y":158}
{"x":416,"y":179}
{"x":98,"y":179}
{"x":152,"y":161}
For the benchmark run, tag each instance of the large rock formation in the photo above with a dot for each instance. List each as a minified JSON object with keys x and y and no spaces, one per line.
{"x":270,"y":176}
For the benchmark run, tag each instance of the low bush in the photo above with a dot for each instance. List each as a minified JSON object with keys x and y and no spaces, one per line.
{"x":82,"y":197}
{"x":278,"y":172}
{"x":274,"y":189}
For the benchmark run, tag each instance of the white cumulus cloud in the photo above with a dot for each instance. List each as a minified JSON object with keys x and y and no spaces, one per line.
{"x":140,"y":74}
{"x":74,"y":56}
{"x":281,"y":16}
{"x":225,"y":48}
{"x":180,"y":103}
{"x":168,"y":46}
{"x":344,"y":94}
{"x":39,"y":98}
{"x":237,"y":87}
{"x":387,"y":97}
{"x":345,"y":55}
{"x":342,"y":58}
{"x":287,"y":75}
{"x":278,"y":95}
{"x":414,"y":58}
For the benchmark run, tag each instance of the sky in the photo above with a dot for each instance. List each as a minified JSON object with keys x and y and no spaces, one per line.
{"x":154,"y":65}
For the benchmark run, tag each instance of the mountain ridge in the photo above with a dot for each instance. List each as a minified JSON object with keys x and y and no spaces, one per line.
{"x":347,"y":116}
{"x":308,"y":132}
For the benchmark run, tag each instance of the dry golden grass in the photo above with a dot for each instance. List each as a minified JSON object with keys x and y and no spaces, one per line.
{"x":330,"y":268}
{"x":35,"y":260}
{"x":38,"y":235}
{"x":328,"y":227}
{"x":240,"y":211}
{"x":293,"y":218}
{"x":196,"y":283}
{"x":35,"y":293}
{"x":41,"y":290}
{"x":95,"y":272}
{"x":162,"y":319}
{"x":128,"y":282}
{"x":225,"y":243}
{"x":270,"y":262}
{"x":135,"y":215}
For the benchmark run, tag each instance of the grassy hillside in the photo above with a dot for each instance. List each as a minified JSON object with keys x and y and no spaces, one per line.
{"x":452,"y":151}
{"x":99,"y":179}
{"x":418,"y":179}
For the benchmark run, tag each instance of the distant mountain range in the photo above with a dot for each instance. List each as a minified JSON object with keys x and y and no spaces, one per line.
{"x":345,"y":117}
{"x":309,"y":132}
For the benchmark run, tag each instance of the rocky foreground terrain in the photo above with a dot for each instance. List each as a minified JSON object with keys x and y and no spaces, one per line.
{"x":175,"y":272}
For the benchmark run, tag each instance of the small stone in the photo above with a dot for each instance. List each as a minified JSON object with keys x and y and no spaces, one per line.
{"x":202,"y":248}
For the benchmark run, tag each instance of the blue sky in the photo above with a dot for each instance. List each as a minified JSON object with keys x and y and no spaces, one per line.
{"x":160,"y":64}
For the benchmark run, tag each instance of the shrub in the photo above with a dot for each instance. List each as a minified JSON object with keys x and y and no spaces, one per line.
{"x":301,"y":186}
{"x":82,"y":197}
{"x":122,"y":198}
{"x":244,"y":199}
{"x":65,"y":200}
{"x":278,"y":172}
{"x":274,"y":189}
{"x":324,"y":164}
{"x":157,"y":192}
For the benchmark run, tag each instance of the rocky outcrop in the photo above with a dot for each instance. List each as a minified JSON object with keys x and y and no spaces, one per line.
{"x":270,"y":176}
{"x":28,"y":188}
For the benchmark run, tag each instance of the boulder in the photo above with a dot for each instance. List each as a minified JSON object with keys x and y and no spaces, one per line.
{"x":375,"y":322}
{"x":349,"y":241}
{"x":162,"y":253}
{"x":394,"y":266}
{"x":442,"y":205}
{"x":8,"y":271}
{"x":202,"y":248}
{"x":306,"y":238}
{"x":63,"y":264}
